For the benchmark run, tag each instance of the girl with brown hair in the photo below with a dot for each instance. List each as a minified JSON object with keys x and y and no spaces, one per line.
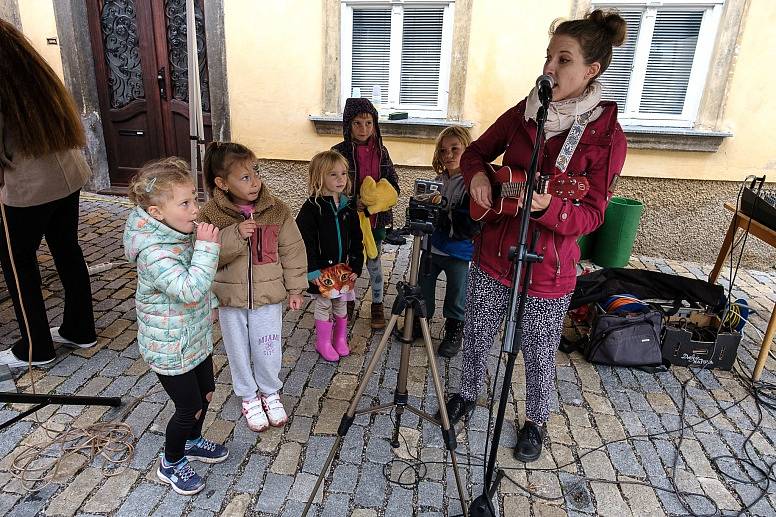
{"x":42,"y":171}
{"x":582,"y":137}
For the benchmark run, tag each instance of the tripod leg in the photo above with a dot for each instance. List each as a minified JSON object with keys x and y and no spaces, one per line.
{"x":400,"y":394}
{"x":347,"y":418}
{"x":447,"y":431}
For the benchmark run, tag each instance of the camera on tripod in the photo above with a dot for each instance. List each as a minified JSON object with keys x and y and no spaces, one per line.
{"x":426,"y":205}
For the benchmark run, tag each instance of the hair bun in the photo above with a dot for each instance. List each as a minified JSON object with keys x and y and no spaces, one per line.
{"x":612,"y":23}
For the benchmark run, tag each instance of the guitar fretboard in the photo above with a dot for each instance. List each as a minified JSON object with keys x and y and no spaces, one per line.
{"x":513,"y":189}
{"x":516,"y":189}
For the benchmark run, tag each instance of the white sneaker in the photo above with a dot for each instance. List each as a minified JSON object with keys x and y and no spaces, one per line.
{"x":255,"y":415}
{"x":7,"y":358}
{"x":276,"y":413}
{"x":59,"y":339}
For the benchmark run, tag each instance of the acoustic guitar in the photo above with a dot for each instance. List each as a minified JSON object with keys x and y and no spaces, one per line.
{"x":509,"y":188}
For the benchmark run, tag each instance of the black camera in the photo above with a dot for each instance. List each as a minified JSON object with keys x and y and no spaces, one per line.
{"x":426,"y":205}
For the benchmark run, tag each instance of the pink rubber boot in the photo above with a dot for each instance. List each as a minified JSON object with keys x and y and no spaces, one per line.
{"x":341,"y":336}
{"x":323,"y":340}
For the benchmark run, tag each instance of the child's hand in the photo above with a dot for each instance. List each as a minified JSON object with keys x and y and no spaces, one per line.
{"x":246,"y":228}
{"x":207,"y":232}
{"x":295,"y":302}
{"x":353,"y":277}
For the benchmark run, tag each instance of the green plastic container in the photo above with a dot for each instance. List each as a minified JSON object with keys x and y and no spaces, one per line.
{"x":614,"y":239}
{"x":586,"y":244}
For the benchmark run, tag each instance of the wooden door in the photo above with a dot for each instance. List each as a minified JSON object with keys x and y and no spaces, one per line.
{"x":140,"y":57}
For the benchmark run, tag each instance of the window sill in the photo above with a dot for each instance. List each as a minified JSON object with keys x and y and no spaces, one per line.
{"x":414,"y":128}
{"x":674,"y":139}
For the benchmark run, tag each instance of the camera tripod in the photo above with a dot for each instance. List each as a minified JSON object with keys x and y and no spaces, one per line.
{"x":409,"y":299}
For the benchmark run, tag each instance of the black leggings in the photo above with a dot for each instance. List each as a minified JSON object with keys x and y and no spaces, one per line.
{"x":189,"y":393}
{"x":58,"y":222}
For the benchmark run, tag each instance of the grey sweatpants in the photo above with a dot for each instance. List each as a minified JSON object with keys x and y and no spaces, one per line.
{"x":253,"y":337}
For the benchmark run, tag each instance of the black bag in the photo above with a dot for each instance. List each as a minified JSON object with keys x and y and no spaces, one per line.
{"x":626,"y":340}
{"x":644,"y":284}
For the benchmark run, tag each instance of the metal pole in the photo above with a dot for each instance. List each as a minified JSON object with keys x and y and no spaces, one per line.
{"x":196,"y":126}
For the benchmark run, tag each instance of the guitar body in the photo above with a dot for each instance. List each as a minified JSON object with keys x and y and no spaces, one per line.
{"x":509,"y":187}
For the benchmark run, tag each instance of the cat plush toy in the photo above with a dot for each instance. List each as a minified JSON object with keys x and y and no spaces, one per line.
{"x":335,"y":281}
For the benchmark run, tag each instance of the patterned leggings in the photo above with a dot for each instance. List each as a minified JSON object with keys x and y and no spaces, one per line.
{"x":486,"y":306}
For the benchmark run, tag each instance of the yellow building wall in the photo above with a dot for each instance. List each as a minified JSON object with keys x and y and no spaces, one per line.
{"x":38,"y":23}
{"x":275,"y":61}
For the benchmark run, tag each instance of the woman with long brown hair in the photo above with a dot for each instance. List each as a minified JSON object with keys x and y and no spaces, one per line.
{"x":42,"y":171}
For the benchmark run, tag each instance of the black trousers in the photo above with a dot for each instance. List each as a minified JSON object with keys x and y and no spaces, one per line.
{"x":189,"y":394}
{"x":58,"y":222}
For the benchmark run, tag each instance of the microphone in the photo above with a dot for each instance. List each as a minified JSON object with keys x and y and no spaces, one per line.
{"x":544,"y":84}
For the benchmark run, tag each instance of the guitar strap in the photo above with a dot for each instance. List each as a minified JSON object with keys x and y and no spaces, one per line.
{"x":572,"y":140}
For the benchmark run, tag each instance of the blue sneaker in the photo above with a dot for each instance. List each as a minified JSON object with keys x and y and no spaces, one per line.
{"x":181,"y":476}
{"x":205,"y":451}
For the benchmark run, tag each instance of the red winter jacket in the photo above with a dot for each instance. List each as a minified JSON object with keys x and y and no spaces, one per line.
{"x":600,"y":153}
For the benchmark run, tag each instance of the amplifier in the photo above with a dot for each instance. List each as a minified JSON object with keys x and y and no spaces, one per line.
{"x":760,"y":204}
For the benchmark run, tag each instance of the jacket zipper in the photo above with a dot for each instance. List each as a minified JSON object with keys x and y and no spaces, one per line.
{"x":557,"y":257}
{"x":339,"y":233}
{"x":250,"y":273}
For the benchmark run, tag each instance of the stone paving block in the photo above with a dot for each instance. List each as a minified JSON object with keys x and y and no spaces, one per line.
{"x":141,"y":500}
{"x":142,"y":416}
{"x":31,"y":504}
{"x":238,"y":454}
{"x":336,"y":505}
{"x":287,"y":460}
{"x":370,"y":490}
{"x":609,"y":501}
{"x":237,"y":506}
{"x":576,"y":493}
{"x":147,"y":450}
{"x":303,"y":487}
{"x":212,"y":497}
{"x":431,"y":494}
{"x":344,"y":478}
{"x":596,"y":464}
{"x":70,"y":499}
{"x":110,"y":494}
{"x":273,"y":493}
{"x":641,"y":499}
{"x":299,"y":429}
{"x":7,"y":502}
{"x":624,"y":459}
{"x":251,"y":479}
{"x":714,"y":488}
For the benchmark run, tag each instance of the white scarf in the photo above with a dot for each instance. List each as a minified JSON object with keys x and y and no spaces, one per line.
{"x":561,"y":114}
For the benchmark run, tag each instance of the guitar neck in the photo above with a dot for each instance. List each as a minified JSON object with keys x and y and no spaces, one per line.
{"x":517,"y":188}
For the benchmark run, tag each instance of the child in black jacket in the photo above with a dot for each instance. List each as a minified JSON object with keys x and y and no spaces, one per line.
{"x":329,"y":226}
{"x":367,"y":156}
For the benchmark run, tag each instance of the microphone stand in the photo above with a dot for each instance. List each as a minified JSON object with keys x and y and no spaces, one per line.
{"x":521,"y":255}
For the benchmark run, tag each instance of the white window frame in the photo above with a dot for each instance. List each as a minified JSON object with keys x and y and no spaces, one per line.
{"x":712,"y":12}
{"x":394,"y":75}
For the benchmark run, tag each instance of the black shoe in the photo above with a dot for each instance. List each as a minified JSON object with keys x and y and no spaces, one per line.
{"x":458,"y":408}
{"x":451,"y":342}
{"x":417,"y":332}
{"x":529,"y":442}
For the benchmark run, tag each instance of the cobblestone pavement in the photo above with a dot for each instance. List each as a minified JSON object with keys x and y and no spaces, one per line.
{"x":608,"y":410}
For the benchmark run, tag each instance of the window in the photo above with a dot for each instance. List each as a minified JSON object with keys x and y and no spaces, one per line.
{"x":397,"y":53}
{"x":658,"y":75}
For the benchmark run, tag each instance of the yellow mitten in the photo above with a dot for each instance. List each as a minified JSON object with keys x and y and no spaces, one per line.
{"x":378,"y":197}
{"x":370,"y":248}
